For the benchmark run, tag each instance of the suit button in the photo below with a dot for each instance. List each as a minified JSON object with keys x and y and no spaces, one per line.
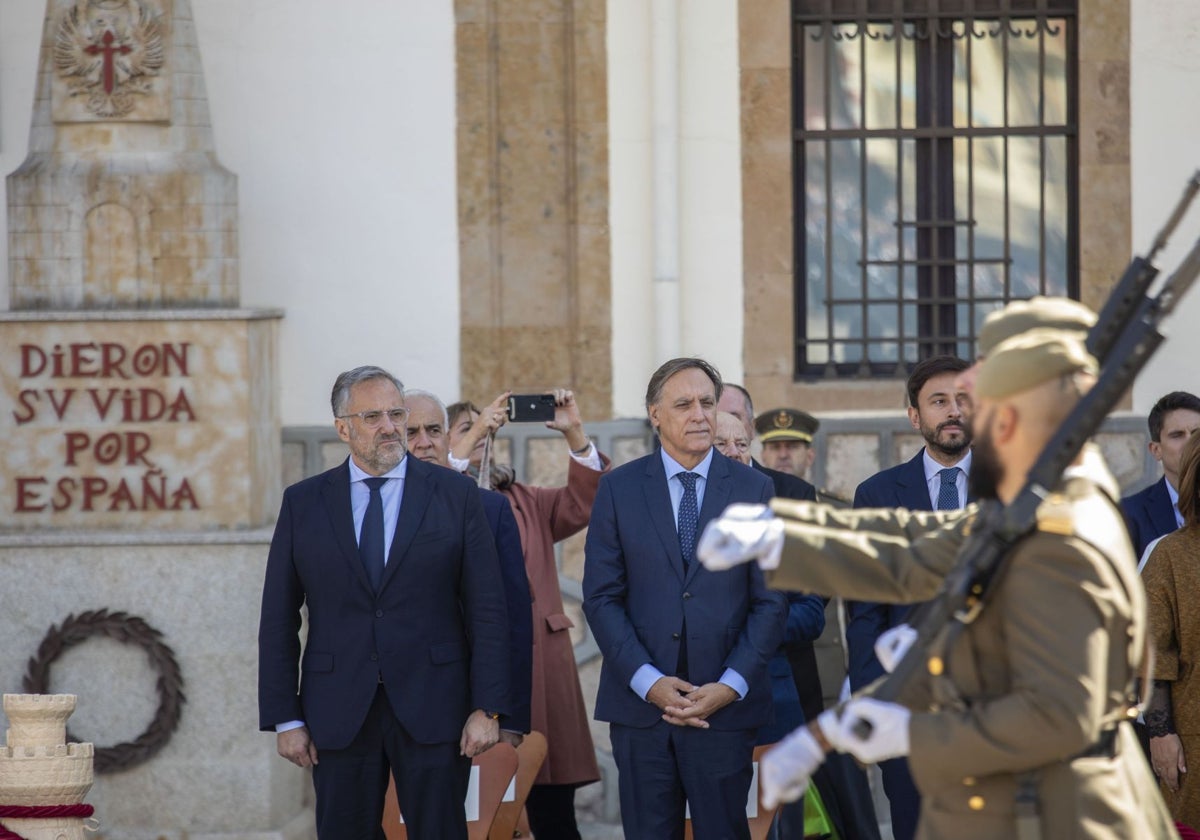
{"x":687,"y":595}
{"x":374,"y":657}
{"x":675,"y":636}
{"x":975,"y":803}
{"x":379,"y":613}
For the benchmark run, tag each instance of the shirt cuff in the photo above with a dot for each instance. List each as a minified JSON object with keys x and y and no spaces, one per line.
{"x":734,"y":680}
{"x":644,"y":680}
{"x":591,"y":458}
{"x":291,"y":724}
{"x":458,"y":464}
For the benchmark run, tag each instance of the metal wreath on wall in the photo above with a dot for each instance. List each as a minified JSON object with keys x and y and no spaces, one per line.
{"x":128,"y":629}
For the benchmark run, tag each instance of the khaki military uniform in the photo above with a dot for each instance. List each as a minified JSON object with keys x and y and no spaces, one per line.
{"x":1041,"y":677}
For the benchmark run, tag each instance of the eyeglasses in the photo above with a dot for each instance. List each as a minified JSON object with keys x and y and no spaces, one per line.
{"x":374,"y":419}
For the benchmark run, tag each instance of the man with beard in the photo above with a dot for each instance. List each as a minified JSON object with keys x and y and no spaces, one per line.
{"x":1015,"y":728}
{"x":405,"y":664}
{"x":934,"y":479}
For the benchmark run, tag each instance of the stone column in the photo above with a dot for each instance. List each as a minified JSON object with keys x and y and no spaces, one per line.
{"x":533,"y":199}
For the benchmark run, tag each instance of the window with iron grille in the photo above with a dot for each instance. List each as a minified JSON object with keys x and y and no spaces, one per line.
{"x":935,"y":173}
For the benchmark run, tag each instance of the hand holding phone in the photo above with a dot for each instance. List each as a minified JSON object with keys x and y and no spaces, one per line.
{"x":531,"y":408}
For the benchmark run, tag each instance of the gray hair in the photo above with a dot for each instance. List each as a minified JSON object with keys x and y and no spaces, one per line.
{"x":668,"y":369}
{"x":433,"y":398}
{"x":348,"y":379}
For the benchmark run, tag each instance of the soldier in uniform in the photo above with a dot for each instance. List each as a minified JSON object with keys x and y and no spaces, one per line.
{"x":1016,"y":729}
{"x":787,"y":436}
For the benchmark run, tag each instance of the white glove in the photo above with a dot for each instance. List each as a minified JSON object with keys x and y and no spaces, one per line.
{"x":731,"y":540}
{"x":892,"y":644}
{"x":784,"y":771}
{"x":888,"y":735}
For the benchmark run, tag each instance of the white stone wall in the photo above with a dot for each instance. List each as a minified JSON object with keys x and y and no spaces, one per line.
{"x":1165,"y":69}
{"x":339,"y":121}
{"x":708,"y":200}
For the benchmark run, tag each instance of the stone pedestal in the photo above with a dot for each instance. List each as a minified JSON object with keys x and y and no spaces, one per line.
{"x":39,"y":767}
{"x":159,"y":419}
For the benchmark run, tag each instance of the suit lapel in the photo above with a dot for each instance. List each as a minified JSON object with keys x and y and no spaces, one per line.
{"x":418,"y":488}
{"x":335,"y":495}
{"x":1160,"y":509}
{"x":658,"y":504}
{"x":717,"y":489}
{"x":913,"y":492}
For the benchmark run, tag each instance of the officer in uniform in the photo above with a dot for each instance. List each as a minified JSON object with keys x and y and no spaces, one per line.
{"x":1017,"y":728}
{"x":787,"y":436}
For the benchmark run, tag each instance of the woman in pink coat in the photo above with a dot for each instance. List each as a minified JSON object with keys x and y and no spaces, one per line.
{"x":544,"y":516}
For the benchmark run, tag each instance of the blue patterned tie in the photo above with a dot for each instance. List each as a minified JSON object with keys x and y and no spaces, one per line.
{"x":948,"y":492}
{"x":689,"y":517}
{"x":370,"y":540}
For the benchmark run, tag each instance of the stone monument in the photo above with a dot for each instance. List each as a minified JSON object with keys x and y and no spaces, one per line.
{"x":39,"y":768}
{"x":139,"y":408}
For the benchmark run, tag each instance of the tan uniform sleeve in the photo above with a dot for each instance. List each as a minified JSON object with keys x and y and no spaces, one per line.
{"x":893,"y":556}
{"x":1054,"y":601}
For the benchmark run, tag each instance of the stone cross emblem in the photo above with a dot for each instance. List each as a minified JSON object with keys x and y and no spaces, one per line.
{"x":108,"y":51}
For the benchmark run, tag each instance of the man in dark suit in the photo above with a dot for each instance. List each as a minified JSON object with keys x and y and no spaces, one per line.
{"x":684,"y":682}
{"x":405,"y":666}
{"x":1154,"y":511}
{"x":429,"y":441}
{"x":934,"y":479}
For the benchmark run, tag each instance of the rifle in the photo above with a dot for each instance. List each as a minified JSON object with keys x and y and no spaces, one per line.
{"x":1124,"y":338}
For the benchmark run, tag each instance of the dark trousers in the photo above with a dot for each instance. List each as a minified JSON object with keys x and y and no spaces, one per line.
{"x":551,"y":812}
{"x":663,"y":767}
{"x":902,"y":796}
{"x":351,"y":783}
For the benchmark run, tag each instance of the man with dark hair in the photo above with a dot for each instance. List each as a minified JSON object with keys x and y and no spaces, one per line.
{"x":684,"y":685}
{"x":1154,"y":511}
{"x":934,"y":479}
{"x":405,"y":662}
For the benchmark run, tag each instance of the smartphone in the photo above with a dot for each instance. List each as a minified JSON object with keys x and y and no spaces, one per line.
{"x":530,"y":408}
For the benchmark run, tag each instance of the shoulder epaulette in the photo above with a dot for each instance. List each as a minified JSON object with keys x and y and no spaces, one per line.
{"x":1056,"y":515}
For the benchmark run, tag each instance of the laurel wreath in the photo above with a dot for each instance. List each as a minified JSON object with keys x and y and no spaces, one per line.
{"x":127,"y":629}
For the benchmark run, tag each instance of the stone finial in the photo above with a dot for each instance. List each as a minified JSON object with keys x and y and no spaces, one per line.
{"x":38,"y":767}
{"x":121,"y":203}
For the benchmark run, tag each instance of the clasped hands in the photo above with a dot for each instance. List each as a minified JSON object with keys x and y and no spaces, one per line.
{"x":684,"y":704}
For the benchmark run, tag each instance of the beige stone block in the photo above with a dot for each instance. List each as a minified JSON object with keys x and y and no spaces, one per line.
{"x":849,"y":459}
{"x":533,"y":11}
{"x":472,"y":71}
{"x":628,"y":449}
{"x":765,"y":34}
{"x":572,"y":567}
{"x":476,"y":296}
{"x":593,"y":274}
{"x":532,"y":173}
{"x":904,"y":447}
{"x":1104,"y":31}
{"x":537,"y":255}
{"x":1104,"y":112}
{"x":530,"y":71}
{"x":482,"y":360}
{"x":768,"y":345}
{"x":547,"y":461}
{"x":591,"y":174}
{"x":476,"y":163}
{"x":766,"y":99}
{"x":1125,"y":455}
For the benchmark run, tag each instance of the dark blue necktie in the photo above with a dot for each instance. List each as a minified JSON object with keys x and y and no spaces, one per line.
{"x":948,"y":492}
{"x":689,"y":517}
{"x":370,"y":540}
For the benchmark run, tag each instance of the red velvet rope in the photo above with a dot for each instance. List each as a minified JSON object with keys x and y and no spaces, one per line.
{"x":39,"y":812}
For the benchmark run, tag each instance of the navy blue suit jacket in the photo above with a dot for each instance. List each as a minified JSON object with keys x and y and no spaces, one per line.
{"x":436,"y":632}
{"x":637,"y":594}
{"x":901,"y":486}
{"x":1149,"y":514}
{"x":499,"y":515}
